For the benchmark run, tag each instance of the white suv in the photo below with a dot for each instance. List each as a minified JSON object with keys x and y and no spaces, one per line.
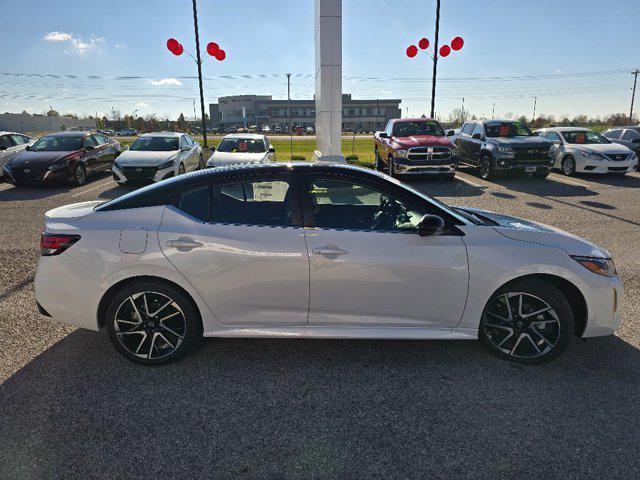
{"x":580,"y":150}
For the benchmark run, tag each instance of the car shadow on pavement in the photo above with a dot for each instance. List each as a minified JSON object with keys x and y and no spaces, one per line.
{"x":445,"y":188}
{"x":116,"y":192}
{"x":627,"y":181}
{"x":266,"y":408}
{"x":548,"y":187}
{"x":22,"y":194}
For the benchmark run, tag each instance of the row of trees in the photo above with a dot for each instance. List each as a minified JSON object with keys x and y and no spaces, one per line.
{"x":457,"y":117}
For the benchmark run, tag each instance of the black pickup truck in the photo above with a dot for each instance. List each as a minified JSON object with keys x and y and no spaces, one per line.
{"x":496,"y":146}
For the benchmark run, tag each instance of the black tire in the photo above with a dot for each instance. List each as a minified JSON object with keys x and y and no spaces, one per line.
{"x":528,"y":340}
{"x":568,"y":166}
{"x":390,"y":171}
{"x":178,"y":335}
{"x":201,"y":164}
{"x":181,"y":169}
{"x":79,"y":174}
{"x":486,"y":170}
{"x":542,"y":175}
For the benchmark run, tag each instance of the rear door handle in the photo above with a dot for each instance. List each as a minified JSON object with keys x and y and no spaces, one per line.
{"x":331,"y":249}
{"x":183,"y":244}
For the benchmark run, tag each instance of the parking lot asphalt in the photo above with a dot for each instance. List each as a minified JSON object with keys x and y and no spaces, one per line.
{"x":71,"y":407}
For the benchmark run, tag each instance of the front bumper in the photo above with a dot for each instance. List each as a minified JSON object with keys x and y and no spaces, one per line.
{"x":509,"y":163}
{"x":404,"y":166}
{"x":590,"y":166}
{"x":140,"y":174}
{"x":37,"y":176}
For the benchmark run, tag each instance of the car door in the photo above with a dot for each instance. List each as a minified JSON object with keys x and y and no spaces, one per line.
{"x":92,"y":154}
{"x":240,"y":243}
{"x":368,"y":264}
{"x":475,"y":144}
{"x":193,"y":153}
{"x":463,"y":140}
{"x":557,"y":147}
{"x":104,"y":153}
{"x":270,"y":156}
{"x":184,"y":155}
{"x":631,"y":138}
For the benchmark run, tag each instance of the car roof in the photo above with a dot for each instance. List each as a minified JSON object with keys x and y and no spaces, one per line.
{"x":249,"y":136}
{"x":401,"y":120}
{"x":13,"y":133}
{"x":567,"y":129}
{"x":163,"y":134}
{"x":67,"y":134}
{"x":628,"y":127}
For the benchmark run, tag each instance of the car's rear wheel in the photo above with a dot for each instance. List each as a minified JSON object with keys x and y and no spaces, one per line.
{"x":181,"y":168}
{"x":79,"y":175}
{"x":568,"y":166}
{"x":391,"y":170}
{"x":527,"y":322}
{"x":152,"y":323}
{"x":379,"y":164}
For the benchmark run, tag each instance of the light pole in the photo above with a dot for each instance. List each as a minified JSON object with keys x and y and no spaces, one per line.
{"x":212,"y":49}
{"x":633,"y":95}
{"x":535,"y":101}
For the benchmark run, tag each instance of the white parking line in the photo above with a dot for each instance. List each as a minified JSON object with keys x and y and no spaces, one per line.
{"x":469,"y":182}
{"x":92,"y":189}
{"x":560,"y":179}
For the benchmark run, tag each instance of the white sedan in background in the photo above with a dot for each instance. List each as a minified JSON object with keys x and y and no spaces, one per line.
{"x":304,"y":250}
{"x":12,"y":143}
{"x":580,"y":150}
{"x":156,"y":156}
{"x":240,"y":148}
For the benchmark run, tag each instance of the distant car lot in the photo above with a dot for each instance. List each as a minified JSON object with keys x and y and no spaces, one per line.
{"x":363,"y":408}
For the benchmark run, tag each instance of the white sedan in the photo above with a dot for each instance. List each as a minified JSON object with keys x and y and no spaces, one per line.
{"x":157,"y":156}
{"x":242,"y":148}
{"x":12,"y":143}
{"x":580,"y":150}
{"x":308,"y":250}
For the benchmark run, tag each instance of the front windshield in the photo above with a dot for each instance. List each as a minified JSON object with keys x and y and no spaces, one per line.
{"x":584,"y":138}
{"x":155,"y":144}
{"x":57,"y":144}
{"x":241,"y":145}
{"x":507,"y":129}
{"x":409,"y":129}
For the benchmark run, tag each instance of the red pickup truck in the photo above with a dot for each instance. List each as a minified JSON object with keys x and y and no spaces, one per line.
{"x":415,"y":146}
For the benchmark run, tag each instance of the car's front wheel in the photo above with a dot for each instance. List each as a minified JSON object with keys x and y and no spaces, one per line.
{"x":486,"y":168}
{"x":79,"y":175}
{"x":152,"y":323}
{"x":528,"y":321}
{"x":569,"y":166}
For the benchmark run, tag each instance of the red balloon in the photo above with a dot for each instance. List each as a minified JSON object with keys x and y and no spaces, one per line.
{"x":412,"y":51}
{"x":457,"y":43}
{"x":212,"y":48}
{"x":172,"y":44}
{"x":178,"y":50}
{"x":445,"y":50}
{"x":220,"y":55}
{"x":423,"y":43}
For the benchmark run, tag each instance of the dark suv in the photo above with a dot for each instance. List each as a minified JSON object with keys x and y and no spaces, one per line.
{"x":503,"y":145}
{"x":627,"y":136}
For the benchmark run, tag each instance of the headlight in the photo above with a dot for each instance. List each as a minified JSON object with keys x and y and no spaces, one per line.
{"x":591,"y":155}
{"x":506,"y":150}
{"x":60,"y":164}
{"x":601,"y":266}
{"x":551,"y":152}
{"x":402,"y":153}
{"x":168,"y":164}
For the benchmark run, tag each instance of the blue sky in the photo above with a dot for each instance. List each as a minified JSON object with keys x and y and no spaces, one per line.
{"x":265,"y":39}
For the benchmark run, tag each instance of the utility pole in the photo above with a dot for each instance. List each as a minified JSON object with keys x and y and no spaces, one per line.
{"x":462,"y":110}
{"x":289,"y":116}
{"x":199,"y":62}
{"x":435,"y":61}
{"x":535,"y":101}
{"x":633,"y":95}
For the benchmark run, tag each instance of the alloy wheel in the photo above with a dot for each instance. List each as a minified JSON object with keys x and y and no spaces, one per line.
{"x":485,"y":168}
{"x":521,"y":325}
{"x":150,"y":325}
{"x":568,"y":167}
{"x":80,"y":175}
{"x":181,"y":169}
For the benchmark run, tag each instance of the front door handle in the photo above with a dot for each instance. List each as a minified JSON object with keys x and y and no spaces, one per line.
{"x":331,"y":249}
{"x":184,"y":244}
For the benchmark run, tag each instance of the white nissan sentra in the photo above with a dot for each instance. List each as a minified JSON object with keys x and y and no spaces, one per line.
{"x":316,"y":250}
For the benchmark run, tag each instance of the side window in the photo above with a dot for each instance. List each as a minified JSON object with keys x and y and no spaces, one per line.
{"x":468,"y":128}
{"x":553,"y":136}
{"x":88,"y":141}
{"x":478,"y":129}
{"x":18,"y":139}
{"x":26,"y":138}
{"x":615,"y":134}
{"x":630,"y":135}
{"x":389,"y":128}
{"x":347,"y":205}
{"x":196,"y":202}
{"x":254,"y":202}
{"x":183,"y":142}
{"x":99,"y":139}
{"x":5,"y":142}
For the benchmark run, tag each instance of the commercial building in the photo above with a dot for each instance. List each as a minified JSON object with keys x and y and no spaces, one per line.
{"x":263,"y":110}
{"x":24,"y":123}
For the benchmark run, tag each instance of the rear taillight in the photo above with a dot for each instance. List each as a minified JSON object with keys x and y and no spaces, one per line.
{"x":55,"y":243}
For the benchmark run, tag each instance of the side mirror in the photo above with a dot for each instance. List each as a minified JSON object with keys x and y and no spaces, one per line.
{"x":125,"y":147}
{"x":383,"y":135}
{"x":272,"y":150}
{"x":28,"y":147}
{"x":431,"y":225}
{"x":185,"y":149}
{"x":476,"y":136}
{"x":450,"y":133}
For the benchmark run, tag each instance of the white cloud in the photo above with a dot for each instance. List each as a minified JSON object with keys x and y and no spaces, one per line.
{"x":165,"y":81}
{"x":57,"y":37}
{"x":121,"y":45}
{"x":77,"y":45}
{"x":142,"y":105}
